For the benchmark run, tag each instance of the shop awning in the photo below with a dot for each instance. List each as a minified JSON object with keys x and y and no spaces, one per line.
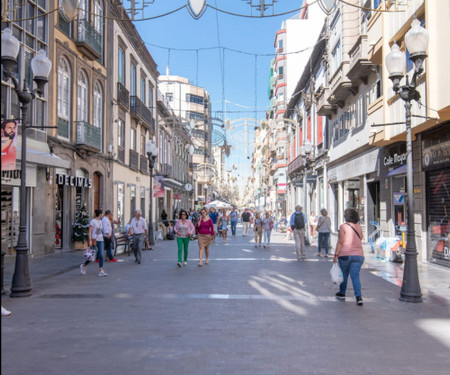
{"x":397,"y":171}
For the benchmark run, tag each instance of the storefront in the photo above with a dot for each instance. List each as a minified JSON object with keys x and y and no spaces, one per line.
{"x":436,"y":165}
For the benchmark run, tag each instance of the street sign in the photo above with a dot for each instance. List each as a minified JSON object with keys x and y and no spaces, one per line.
{"x":299,"y":184}
{"x":311,"y":179}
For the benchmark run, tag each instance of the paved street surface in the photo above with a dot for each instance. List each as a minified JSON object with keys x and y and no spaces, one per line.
{"x":250,"y":311}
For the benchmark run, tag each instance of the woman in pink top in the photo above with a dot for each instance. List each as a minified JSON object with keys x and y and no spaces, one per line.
{"x":350,"y":254}
{"x":205,"y":231}
{"x":184,"y":229}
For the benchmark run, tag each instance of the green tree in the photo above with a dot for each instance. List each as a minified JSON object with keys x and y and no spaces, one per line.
{"x":81,"y":226}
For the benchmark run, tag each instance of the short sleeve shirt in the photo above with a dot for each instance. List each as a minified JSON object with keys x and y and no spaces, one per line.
{"x":138,"y":226}
{"x":97,"y":233}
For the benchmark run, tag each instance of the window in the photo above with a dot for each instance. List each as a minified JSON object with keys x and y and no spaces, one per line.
{"x":376,"y":90}
{"x":82,"y":17}
{"x":336,"y":56}
{"x":143,"y":90}
{"x":64,"y":89}
{"x":121,"y":133}
{"x":280,"y":43}
{"x":361,"y":110}
{"x":121,"y":66}
{"x":98,"y":19}
{"x":82,"y":97}
{"x":169,"y":97}
{"x":143,"y":144}
{"x":98,"y":106}
{"x":133,"y":139}
{"x":280,"y":71}
{"x":194,"y":99}
{"x":150,"y":97}
{"x":120,"y":201}
{"x":196,"y":116}
{"x":133,"y":80}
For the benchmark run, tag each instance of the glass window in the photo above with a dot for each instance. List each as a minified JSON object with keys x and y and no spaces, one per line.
{"x":63,"y":89}
{"x":133,"y":139}
{"x":120,"y":201}
{"x":143,"y":144}
{"x":150,"y":97}
{"x":133,"y":80}
{"x":98,"y":106}
{"x":169,"y":97}
{"x":82,"y":97}
{"x":121,"y":66}
{"x":280,"y":70}
{"x":98,"y":19}
{"x":121,"y":133}
{"x":143,"y":90}
{"x":336,"y":56}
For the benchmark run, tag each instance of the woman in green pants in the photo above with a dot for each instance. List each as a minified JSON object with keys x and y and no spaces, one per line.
{"x":184,"y":229}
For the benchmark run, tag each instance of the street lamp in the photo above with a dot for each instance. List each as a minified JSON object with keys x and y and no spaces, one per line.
{"x":205,"y":186}
{"x":416,"y":40}
{"x":152,"y":153}
{"x":305,"y":151}
{"x":41,"y":67}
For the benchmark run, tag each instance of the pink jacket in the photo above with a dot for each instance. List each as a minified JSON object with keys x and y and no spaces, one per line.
{"x":348,"y":241}
{"x":190,"y":227}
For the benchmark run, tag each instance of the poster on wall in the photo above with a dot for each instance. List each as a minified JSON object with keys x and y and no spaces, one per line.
{"x":9,"y":140}
{"x":158,"y":187}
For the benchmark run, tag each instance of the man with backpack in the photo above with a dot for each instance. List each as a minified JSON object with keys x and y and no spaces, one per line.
{"x":298,"y":224}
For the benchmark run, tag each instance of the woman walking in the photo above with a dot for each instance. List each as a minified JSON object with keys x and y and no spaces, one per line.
{"x":258,"y":228}
{"x":313,"y":224}
{"x":267,"y":227}
{"x":184,"y":230}
{"x":324,"y":229}
{"x":349,"y":253}
{"x":205,"y":231}
{"x":96,"y":240}
{"x":223,"y":226}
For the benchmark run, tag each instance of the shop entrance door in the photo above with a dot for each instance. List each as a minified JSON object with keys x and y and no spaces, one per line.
{"x":373,"y":204}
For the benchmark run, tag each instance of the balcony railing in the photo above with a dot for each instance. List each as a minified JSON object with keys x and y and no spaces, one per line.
{"x":63,"y":127}
{"x":134,"y":160}
{"x":141,"y":112}
{"x":121,"y":154}
{"x":295,"y":165}
{"x":88,"y":135}
{"x":89,"y":40}
{"x":143,"y":165}
{"x":123,"y":96}
{"x":64,"y":26}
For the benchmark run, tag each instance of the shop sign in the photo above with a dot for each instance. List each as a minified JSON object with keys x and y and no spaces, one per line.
{"x":394,"y":159}
{"x":436,"y":155}
{"x":177,"y":196}
{"x":158,"y":186}
{"x":63,"y":179}
{"x":399,"y":198}
{"x":299,"y":184}
{"x":13,"y":178}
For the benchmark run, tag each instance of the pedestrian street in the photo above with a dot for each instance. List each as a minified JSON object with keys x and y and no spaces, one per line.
{"x":249,"y":311}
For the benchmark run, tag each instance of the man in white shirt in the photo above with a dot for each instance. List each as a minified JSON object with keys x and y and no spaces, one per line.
{"x":138,"y":227}
{"x":107,"y":234}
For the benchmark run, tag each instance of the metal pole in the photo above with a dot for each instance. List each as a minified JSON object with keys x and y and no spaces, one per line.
{"x":21,"y":282}
{"x":410,"y":291}
{"x":151,"y":237}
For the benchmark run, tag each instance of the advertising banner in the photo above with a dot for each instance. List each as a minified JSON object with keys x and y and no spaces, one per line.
{"x":158,"y":187}
{"x":9,"y":140}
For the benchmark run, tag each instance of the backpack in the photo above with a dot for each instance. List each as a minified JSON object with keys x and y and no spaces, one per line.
{"x":299,"y":221}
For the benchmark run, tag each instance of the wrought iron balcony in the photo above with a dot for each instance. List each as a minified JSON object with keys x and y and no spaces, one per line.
{"x":121,"y":154}
{"x":295,"y":165}
{"x":166,"y":170}
{"x":143,"y":165}
{"x":141,"y":112}
{"x":134,"y":160}
{"x":89,"y":40}
{"x":123,"y":96}
{"x":64,"y":26}
{"x":88,"y":136}
{"x":63,"y":127}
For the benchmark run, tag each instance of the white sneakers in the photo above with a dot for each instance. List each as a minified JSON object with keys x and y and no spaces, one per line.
{"x":5,"y":312}
{"x":82,"y":269}
{"x":102,"y":273}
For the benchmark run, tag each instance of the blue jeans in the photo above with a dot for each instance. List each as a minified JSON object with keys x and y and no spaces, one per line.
{"x":351,"y":265}
{"x":100,"y":247}
{"x":267,"y":236}
{"x":326,"y":238}
{"x":233,"y":227}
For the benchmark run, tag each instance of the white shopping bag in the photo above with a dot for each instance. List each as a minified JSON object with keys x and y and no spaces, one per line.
{"x":336,"y":274}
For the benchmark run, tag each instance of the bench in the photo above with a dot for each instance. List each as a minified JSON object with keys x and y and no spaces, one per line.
{"x":121,"y":239}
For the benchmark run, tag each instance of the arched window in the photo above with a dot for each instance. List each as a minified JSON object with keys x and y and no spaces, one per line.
{"x":98,"y":106}
{"x":64,"y":86}
{"x":82,"y":97}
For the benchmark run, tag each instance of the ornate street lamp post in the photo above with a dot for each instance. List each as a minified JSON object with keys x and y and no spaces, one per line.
{"x":416,"y":40}
{"x":305,"y":151}
{"x":41,"y":67}
{"x":152,"y":153}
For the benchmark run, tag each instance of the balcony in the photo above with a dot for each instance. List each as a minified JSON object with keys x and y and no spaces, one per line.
{"x":89,"y":40}
{"x":166,"y":170}
{"x":295,"y":165}
{"x":121,"y":154}
{"x":134,"y":160}
{"x":64,"y":26}
{"x":340,"y":86}
{"x":63,"y":128}
{"x":143,"y":164}
{"x":123,"y":96}
{"x":323,"y":107}
{"x":360,"y":66}
{"x":88,"y":136}
{"x":140,"y":111}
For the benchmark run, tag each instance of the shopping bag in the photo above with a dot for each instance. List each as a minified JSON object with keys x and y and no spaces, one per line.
{"x":336,"y":274}
{"x":89,"y":254}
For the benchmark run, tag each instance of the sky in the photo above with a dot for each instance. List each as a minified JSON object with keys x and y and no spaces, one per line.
{"x":238,"y":82}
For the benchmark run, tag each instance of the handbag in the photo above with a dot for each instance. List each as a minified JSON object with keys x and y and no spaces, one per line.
{"x":336,"y":274}
{"x":89,"y":254}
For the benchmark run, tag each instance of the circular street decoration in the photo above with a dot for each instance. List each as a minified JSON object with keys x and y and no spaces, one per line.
{"x":328,"y":6}
{"x":188,"y":187}
{"x":196,"y":8}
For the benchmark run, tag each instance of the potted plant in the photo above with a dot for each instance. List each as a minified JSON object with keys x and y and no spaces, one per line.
{"x":80,"y":227}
